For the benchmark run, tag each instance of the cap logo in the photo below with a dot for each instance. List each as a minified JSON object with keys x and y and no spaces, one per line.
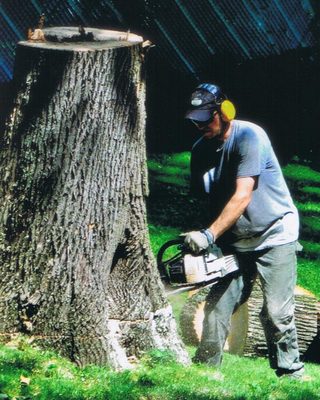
{"x":196,"y":102}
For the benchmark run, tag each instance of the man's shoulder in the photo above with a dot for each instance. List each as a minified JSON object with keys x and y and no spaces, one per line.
{"x":245,"y":130}
{"x":243,"y":127}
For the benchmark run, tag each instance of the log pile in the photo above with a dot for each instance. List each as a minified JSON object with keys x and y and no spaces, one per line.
{"x":246,"y":336}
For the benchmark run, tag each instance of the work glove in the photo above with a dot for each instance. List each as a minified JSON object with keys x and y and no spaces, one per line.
{"x":198,"y":241}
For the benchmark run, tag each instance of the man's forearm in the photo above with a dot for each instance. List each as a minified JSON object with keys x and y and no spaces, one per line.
{"x":229,"y":215}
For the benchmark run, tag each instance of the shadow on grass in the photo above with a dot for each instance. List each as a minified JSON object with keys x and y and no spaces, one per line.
{"x":311,"y":192}
{"x":310,"y":229}
{"x":172,"y":205}
{"x":311,"y":249}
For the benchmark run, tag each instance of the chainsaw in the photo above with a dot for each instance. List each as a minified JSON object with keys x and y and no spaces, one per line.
{"x":184,"y":271}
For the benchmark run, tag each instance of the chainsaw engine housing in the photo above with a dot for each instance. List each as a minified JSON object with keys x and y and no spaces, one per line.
{"x":186,"y":268}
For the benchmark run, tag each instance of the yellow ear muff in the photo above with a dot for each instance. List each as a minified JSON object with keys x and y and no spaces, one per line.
{"x":228,"y":110}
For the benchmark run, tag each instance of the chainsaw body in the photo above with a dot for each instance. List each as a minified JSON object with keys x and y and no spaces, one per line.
{"x":187,"y":270}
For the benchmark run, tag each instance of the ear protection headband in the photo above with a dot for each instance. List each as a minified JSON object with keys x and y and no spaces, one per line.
{"x":227,"y":108}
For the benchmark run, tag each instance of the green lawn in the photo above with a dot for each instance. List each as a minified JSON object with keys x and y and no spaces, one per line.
{"x":27,"y":373}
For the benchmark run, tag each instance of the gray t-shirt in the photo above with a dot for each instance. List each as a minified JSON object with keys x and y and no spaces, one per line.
{"x":248,"y":152}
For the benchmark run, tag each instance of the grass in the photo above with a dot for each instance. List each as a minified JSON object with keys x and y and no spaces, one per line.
{"x":308,"y":275}
{"x":170,"y":204}
{"x":310,"y":249}
{"x":158,"y":377}
{"x":308,"y":207}
{"x":302,"y":174}
{"x":305,"y":187}
{"x":161,"y":234}
{"x":171,"y":169}
{"x":311,"y":191}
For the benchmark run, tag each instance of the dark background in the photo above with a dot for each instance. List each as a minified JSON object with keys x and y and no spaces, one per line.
{"x":264,"y":54}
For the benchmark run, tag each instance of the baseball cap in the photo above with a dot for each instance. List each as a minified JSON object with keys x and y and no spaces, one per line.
{"x":205,"y":99}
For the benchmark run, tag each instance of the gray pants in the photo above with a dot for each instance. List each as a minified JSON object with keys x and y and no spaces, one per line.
{"x":276,"y":268}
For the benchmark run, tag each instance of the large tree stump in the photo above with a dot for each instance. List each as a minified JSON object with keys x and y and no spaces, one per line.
{"x":77,"y":272}
{"x":247,"y":336}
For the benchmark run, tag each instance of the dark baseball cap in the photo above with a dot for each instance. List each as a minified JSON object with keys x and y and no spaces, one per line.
{"x":204,"y":100}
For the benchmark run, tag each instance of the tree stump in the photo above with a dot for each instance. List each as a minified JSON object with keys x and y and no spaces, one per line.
{"x":77,"y":272}
{"x":247,"y":336}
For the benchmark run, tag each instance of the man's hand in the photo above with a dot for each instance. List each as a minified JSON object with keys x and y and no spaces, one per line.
{"x":198,"y":241}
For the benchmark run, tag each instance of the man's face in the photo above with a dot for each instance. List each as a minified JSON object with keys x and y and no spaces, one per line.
{"x":214,"y":127}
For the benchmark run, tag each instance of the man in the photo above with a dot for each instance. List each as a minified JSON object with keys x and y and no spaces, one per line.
{"x":253,"y":216}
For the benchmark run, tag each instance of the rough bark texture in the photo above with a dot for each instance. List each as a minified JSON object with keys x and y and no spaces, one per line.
{"x":77,"y":272}
{"x":251,"y":340}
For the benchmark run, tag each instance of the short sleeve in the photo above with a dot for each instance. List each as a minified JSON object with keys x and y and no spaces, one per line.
{"x":250,"y":151}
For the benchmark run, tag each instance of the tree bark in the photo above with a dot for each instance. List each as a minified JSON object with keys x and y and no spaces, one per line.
{"x":77,"y":272}
{"x":246,"y":335}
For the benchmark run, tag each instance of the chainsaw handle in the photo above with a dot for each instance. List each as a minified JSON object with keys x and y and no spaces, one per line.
{"x":162,"y":264}
{"x":163,"y":248}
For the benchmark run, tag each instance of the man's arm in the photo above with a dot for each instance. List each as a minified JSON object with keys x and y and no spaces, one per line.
{"x":235,"y":206}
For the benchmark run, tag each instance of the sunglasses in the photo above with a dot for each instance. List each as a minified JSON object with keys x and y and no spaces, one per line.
{"x":202,"y":124}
